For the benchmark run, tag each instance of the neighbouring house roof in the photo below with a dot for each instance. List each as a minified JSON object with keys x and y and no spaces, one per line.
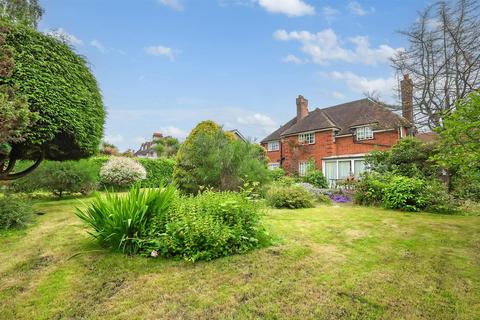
{"x":343,"y":117}
{"x":145,"y":149}
{"x":238,"y":134}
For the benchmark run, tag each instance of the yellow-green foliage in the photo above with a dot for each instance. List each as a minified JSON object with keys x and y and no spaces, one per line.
{"x":180,"y":173}
{"x":215,"y":159}
{"x":59,"y":86}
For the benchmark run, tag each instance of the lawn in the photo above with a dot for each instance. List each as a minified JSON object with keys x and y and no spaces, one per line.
{"x":327,"y":263}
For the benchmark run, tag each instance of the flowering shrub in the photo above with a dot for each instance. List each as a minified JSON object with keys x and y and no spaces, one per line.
{"x":122,"y":172}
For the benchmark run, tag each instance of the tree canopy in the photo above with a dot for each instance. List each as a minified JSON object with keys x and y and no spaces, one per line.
{"x":61,"y":94}
{"x":27,"y":12}
{"x":460,"y":140}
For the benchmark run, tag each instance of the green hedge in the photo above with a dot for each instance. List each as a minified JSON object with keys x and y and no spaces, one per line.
{"x":159,"y":171}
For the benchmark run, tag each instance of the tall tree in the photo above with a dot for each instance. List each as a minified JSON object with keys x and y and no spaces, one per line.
{"x":27,"y":12}
{"x":443,"y":59}
{"x":68,"y":106}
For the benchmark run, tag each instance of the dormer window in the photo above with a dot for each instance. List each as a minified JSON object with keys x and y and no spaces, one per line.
{"x":273,"y":145}
{"x":364,"y":133}
{"x":307,"y":137}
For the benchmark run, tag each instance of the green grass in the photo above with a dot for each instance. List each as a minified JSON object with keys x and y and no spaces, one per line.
{"x":329,"y":263}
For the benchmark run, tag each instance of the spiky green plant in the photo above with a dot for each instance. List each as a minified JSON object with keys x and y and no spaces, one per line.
{"x":121,"y":222}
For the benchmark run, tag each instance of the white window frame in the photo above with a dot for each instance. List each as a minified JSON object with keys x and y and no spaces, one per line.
{"x":364,"y":133}
{"x":273,"y":165}
{"x":308,"y":137}
{"x":273,"y":145}
{"x":336,"y":161}
{"x":303,"y":168}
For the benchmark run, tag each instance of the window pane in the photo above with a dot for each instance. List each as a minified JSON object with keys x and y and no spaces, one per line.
{"x":344,"y":169}
{"x":359,"y":167}
{"x":331,"y":172}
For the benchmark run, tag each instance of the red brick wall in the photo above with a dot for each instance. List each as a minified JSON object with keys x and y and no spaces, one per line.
{"x":325,"y":146}
{"x":380,"y":141}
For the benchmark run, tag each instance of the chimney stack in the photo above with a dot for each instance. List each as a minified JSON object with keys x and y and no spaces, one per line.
{"x":406,"y":88}
{"x":302,"y":108}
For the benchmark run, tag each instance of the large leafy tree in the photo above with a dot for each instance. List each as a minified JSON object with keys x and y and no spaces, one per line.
{"x":27,"y":12}
{"x":61,"y":94}
{"x":460,"y":140}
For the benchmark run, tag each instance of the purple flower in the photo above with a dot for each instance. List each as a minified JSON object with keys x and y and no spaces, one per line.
{"x":339,"y":198}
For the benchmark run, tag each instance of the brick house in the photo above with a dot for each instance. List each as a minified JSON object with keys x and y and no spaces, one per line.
{"x":337,"y":138}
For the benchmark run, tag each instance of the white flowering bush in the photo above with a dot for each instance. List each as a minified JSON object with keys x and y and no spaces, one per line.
{"x":121,"y":172}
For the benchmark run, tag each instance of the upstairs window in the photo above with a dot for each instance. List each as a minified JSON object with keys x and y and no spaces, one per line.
{"x":307,"y":137}
{"x":273,"y":146}
{"x":364,"y":133}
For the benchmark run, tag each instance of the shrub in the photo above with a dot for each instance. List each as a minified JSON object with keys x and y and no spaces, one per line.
{"x":14,"y":212}
{"x":323,"y":198}
{"x":123,"y":222}
{"x":121,"y":172}
{"x":276,"y":174}
{"x":405,"y":193}
{"x":292,"y":197}
{"x":438,"y":199}
{"x":67,"y":177}
{"x":316,"y":178}
{"x":211,"y":158}
{"x":409,"y":157}
{"x":208,"y":226}
{"x":159,"y":172}
{"x":370,"y":189}
{"x":60,"y":178}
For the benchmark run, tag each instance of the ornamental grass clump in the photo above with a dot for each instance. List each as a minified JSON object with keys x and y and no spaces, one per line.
{"x":122,"y":222}
{"x":121,"y":172}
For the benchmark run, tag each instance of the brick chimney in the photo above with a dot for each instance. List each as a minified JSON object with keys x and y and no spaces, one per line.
{"x":406,"y":88}
{"x":302,"y":108}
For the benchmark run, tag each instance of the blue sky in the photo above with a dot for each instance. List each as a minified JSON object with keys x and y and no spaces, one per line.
{"x":165,"y":65}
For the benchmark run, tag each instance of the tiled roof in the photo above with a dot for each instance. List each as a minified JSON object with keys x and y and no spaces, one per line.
{"x":343,"y":117}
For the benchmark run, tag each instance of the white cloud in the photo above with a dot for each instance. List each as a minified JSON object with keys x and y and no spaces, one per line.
{"x":66,"y":37}
{"x":161,"y":51}
{"x":98,"y":45}
{"x":367,"y":55}
{"x":257,"y":119}
{"x":357,"y":9}
{"x":293,"y":59}
{"x":383,"y":86}
{"x":174,"y":132}
{"x":329,"y":13}
{"x":325,"y":46}
{"x":292,"y":8}
{"x":174,"y":4}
